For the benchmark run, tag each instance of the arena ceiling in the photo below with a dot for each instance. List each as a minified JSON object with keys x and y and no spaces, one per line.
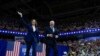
{"x":56,"y":9}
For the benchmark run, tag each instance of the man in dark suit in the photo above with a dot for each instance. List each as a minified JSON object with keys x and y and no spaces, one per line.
{"x":51,"y":34}
{"x":32,"y":37}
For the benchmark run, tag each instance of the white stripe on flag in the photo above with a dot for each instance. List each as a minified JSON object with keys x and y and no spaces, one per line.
{"x":43,"y":51}
{"x":14,"y":52}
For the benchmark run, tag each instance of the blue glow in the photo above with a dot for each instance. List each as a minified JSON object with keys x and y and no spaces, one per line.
{"x":3,"y":31}
{"x":18,"y":33}
{"x":95,"y":29}
{"x":81,"y":31}
{"x":65,"y":33}
{"x":61,"y":34}
{"x":74,"y":32}
{"x":0,"y":30}
{"x":87,"y":30}
{"x":39,"y":35}
{"x":8,"y":32}
{"x":69,"y":33}
{"x":90,"y":30}
{"x":21,"y":33}
{"x":13,"y":32}
{"x":98,"y":29}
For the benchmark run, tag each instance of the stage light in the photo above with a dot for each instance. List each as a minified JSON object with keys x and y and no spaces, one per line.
{"x":65,"y":33}
{"x":20,"y":33}
{"x":61,"y":34}
{"x":71,"y":33}
{"x":79,"y":32}
{"x":39,"y":35}
{"x":0,"y":30}
{"x":95,"y":29}
{"x":74,"y":32}
{"x":10,"y":31}
{"x":98,"y":29}
{"x":5,"y":31}
{"x":25,"y":33}
{"x":13,"y":32}
{"x":89,"y":30}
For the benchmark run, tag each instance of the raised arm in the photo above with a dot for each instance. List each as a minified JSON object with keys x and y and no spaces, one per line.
{"x":22,"y":19}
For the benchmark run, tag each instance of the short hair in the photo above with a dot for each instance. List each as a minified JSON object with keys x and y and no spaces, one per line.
{"x":52,"y":21}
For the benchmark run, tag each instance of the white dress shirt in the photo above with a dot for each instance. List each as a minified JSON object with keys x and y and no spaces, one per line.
{"x":53,"y":29}
{"x":34,"y":28}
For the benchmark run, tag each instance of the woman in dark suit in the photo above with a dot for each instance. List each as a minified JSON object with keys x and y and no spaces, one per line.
{"x":32,"y":37}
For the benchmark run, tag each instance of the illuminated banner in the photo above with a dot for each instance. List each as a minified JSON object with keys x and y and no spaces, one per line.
{"x":62,"y":51}
{"x":10,"y":48}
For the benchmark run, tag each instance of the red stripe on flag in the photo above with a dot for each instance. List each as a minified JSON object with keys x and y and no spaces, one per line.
{"x":43,"y":51}
{"x":15,"y":52}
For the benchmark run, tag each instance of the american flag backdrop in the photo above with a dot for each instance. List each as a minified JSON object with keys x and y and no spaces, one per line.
{"x":13,"y":49}
{"x":41,"y":50}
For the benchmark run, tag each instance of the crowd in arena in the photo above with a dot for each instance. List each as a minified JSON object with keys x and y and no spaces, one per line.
{"x":13,"y":24}
{"x":84,"y":48}
{"x":81,"y":25}
{"x":76,"y":48}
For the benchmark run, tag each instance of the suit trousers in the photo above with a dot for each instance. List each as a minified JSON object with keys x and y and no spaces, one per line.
{"x":28,"y":46}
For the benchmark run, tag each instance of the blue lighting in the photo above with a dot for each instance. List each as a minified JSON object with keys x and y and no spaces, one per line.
{"x":81,"y":31}
{"x":71,"y":32}
{"x":0,"y":30}
{"x":18,"y":33}
{"x":39,"y":35}
{"x":90,"y":30}
{"x":61,"y":34}
{"x":74,"y":32}
{"x":95,"y":29}
{"x":21,"y":33}
{"x":98,"y":29}
{"x":13,"y":32}
{"x":65,"y":33}
{"x":5,"y":31}
{"x":87,"y":30}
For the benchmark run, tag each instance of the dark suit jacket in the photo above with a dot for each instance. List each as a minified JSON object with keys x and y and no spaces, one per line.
{"x":50,"y":40}
{"x":31,"y":36}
